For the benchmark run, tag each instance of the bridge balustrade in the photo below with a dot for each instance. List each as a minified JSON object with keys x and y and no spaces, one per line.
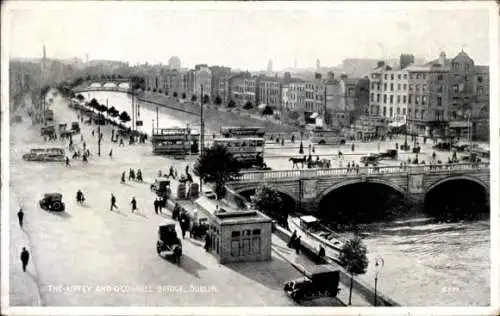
{"x":311,"y":173}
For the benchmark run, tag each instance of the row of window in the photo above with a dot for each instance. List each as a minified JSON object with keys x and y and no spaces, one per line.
{"x":402,"y":99}
{"x":417,"y":114}
{"x":402,"y":87}
{"x":245,"y":247}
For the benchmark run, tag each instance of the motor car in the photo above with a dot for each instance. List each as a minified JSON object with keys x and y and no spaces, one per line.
{"x":372,"y":159}
{"x":168,"y":243}
{"x":472,"y":157}
{"x":321,"y":281}
{"x":52,"y":202}
{"x":389,"y":154}
{"x":442,"y":146}
{"x":460,"y":146}
{"x":160,"y":186}
{"x":47,"y":130}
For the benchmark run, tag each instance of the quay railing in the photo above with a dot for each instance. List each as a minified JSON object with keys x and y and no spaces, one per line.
{"x":343,"y":172}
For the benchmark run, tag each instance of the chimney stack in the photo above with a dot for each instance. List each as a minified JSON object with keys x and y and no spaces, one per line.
{"x":405,"y":60}
{"x":380,"y":64}
{"x":442,"y":58}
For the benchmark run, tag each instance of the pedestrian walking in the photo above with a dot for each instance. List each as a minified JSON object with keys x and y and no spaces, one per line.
{"x":67,"y":162}
{"x":131,"y":174}
{"x":84,"y":157}
{"x":92,"y":132}
{"x":20,"y":217}
{"x":353,"y":147}
{"x":207,"y":242}
{"x":123,"y":177}
{"x":434,"y":155}
{"x":121,"y":142}
{"x":134,"y":204}
{"x":321,"y":252}
{"x":171,"y":172}
{"x":113,"y":202}
{"x":111,"y":153}
{"x":292,"y":239}
{"x":187,"y":170}
{"x":25,"y":258}
{"x":297,"y":245}
{"x":156,"y":206}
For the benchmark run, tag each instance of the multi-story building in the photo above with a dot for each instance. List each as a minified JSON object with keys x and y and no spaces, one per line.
{"x":436,"y":99}
{"x":236,"y":88}
{"x":346,"y":99}
{"x":202,"y":78}
{"x":268,"y":91}
{"x":218,"y":72}
{"x":293,"y":97}
{"x":314,"y":99}
{"x":249,"y":90}
{"x":223,"y":88}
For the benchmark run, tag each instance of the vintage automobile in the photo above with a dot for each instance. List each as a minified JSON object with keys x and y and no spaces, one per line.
{"x":168,"y":244}
{"x":389,"y":154}
{"x":321,"y":281}
{"x":52,"y":202}
{"x":48,"y":130}
{"x":472,"y":157}
{"x":371,"y":159}
{"x":460,"y":146}
{"x":75,"y":127}
{"x":160,"y":186}
{"x":442,"y":146}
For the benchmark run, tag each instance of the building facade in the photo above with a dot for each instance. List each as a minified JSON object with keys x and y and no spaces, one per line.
{"x":249,"y":90}
{"x":202,"y":78}
{"x":218,"y":73}
{"x":268,"y":91}
{"x":346,"y":99}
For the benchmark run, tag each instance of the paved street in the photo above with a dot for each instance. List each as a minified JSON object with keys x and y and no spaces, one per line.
{"x":89,"y":255}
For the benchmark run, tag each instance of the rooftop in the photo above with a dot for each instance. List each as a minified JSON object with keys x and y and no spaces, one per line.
{"x":224,"y":213}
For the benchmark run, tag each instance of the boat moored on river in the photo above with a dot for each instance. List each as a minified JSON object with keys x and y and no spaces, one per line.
{"x":314,"y":234}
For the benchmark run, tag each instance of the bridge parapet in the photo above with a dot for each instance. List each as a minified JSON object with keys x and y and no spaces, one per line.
{"x":343,"y":172}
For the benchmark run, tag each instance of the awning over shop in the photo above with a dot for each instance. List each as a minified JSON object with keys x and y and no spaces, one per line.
{"x":314,"y":115}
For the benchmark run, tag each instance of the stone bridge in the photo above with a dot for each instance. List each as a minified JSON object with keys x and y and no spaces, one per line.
{"x":308,"y":186}
{"x":101,"y":88}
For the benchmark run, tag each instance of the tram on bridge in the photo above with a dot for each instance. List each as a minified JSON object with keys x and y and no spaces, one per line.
{"x":248,"y":151}
{"x":247,"y":131}
{"x":174,"y":141}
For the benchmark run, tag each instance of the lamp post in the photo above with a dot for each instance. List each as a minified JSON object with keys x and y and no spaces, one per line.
{"x":379,"y":264}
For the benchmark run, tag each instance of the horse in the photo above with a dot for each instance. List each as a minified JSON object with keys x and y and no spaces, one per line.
{"x":296,"y":161}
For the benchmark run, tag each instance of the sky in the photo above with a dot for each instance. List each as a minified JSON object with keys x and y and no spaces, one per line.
{"x":246,"y":35}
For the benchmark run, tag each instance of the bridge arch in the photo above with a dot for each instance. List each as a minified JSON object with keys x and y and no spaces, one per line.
{"x":460,"y":177}
{"x":459,"y":197}
{"x":253,"y":188}
{"x":341,"y":184}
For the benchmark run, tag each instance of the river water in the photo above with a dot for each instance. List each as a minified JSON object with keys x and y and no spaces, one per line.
{"x":424,"y":263}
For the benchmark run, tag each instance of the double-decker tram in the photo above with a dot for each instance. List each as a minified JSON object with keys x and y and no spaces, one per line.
{"x":326,"y":137}
{"x":248,"y":151}
{"x":243,"y":131}
{"x":172,"y":141}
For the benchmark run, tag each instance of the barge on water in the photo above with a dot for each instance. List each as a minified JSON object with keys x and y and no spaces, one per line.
{"x":314,"y":235}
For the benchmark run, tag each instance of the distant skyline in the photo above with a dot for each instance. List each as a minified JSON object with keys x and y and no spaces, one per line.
{"x":247,"y":35}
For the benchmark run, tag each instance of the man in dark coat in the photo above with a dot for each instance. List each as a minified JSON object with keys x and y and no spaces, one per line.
{"x":113,"y":202}
{"x":292,"y":239}
{"x":156,"y":204}
{"x":25,"y":258}
{"x":134,"y":204}
{"x":20,"y":216}
{"x":297,"y":245}
{"x":321,"y":252}
{"x":207,"y":242}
